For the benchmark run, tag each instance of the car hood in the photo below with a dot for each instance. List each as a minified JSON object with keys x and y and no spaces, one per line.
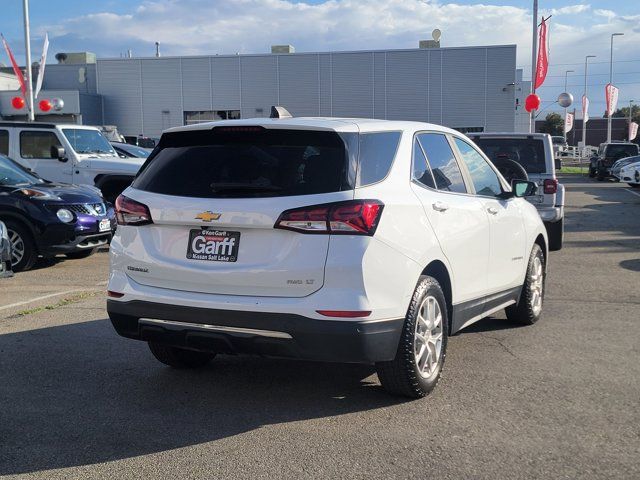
{"x":115,"y":165}
{"x":64,"y":192}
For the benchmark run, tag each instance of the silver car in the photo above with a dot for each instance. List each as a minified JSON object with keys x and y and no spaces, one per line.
{"x":5,"y":253}
{"x":623,"y":162}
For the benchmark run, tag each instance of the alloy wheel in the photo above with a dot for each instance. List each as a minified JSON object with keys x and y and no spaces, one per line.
{"x":17,"y":246}
{"x":537,"y":285}
{"x":427,"y":345}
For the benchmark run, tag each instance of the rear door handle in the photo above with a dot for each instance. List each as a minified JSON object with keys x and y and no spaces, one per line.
{"x":492,"y":210}
{"x":440,"y":206}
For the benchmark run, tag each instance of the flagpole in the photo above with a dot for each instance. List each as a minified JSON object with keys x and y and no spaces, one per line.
{"x":27,"y":44}
{"x":585,"y":98}
{"x":532,"y":125}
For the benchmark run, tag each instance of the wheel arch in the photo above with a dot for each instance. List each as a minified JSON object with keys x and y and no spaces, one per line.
{"x":438,"y":270}
{"x":22,"y":220}
{"x":542,"y":243}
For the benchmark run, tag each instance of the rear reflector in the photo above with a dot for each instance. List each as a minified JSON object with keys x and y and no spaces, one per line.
{"x":112,"y":294}
{"x":353,"y":217}
{"x":550,"y":185}
{"x":345,"y":313}
{"x":130,"y":212}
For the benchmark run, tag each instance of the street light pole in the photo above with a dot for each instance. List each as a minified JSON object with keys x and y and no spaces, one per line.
{"x":585,"y":99}
{"x":532,"y":122}
{"x":564,"y":128}
{"x":27,"y":45}
{"x":611,"y":83}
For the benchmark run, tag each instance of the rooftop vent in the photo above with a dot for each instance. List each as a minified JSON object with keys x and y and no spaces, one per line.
{"x":282,"y":49}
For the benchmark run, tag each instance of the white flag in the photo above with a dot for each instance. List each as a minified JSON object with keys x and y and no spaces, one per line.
{"x":611,"y":94}
{"x":568,"y":122}
{"x":633,"y":130}
{"x":43,"y":61}
{"x":585,"y":109}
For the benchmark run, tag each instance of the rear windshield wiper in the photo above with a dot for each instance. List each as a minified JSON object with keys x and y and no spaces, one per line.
{"x":225,"y":187}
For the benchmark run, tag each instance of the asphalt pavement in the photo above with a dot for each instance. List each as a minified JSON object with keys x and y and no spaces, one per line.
{"x":560,"y":399}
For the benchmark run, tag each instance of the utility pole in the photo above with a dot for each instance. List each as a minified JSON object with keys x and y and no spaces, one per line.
{"x":611,"y":83}
{"x":565,"y":109}
{"x":532,"y":124}
{"x":584,"y":100}
{"x":27,"y":45}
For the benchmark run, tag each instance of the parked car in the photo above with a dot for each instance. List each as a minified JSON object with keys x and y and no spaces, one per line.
{"x":533,"y":153}
{"x":68,"y":153}
{"x":140,"y":141}
{"x":46,"y":219}
{"x":5,"y":252}
{"x":342,"y":240}
{"x":125,"y":150}
{"x":608,"y":153}
{"x":623,"y":162}
{"x":631,"y":173}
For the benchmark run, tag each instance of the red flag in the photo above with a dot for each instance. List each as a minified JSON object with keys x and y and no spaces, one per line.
{"x":542,"y":64}
{"x":16,"y":69}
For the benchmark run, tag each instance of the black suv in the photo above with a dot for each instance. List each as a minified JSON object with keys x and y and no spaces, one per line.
{"x":608,"y":153}
{"x":46,"y":219}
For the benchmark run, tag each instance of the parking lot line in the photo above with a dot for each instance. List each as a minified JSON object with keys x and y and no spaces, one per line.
{"x":632,"y":192}
{"x":43,"y":297}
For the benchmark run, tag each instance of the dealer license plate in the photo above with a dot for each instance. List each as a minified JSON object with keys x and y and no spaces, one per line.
{"x":104,"y":225}
{"x":213,"y":245}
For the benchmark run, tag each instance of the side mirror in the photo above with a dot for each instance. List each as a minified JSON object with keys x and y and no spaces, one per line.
{"x":59,"y":153}
{"x":523,"y":188}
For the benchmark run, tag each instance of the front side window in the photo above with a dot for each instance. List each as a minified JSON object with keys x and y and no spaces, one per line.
{"x":444,"y":166}
{"x":38,"y":144}
{"x":88,"y":141}
{"x":421,"y":170}
{"x":484,"y":178}
{"x":248,"y":162}
{"x":377,"y":151}
{"x":4,"y":142}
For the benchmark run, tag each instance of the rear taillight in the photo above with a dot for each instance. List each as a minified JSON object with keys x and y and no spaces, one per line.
{"x":130,"y":212}
{"x":550,"y":185}
{"x":353,"y":217}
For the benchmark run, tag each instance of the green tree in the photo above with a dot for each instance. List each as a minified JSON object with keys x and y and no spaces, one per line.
{"x":624,"y":113}
{"x":553,"y":124}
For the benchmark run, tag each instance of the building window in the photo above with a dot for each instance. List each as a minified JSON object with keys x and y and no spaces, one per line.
{"x":210,"y":116}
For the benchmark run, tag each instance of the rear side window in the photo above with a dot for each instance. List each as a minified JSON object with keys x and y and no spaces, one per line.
{"x":421,"y":170}
{"x":528,"y":152}
{"x":377,"y":151}
{"x":444,"y":167}
{"x":248,"y":162}
{"x":4,"y":142}
{"x":37,"y":144}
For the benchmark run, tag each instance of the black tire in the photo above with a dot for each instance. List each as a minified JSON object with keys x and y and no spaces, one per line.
{"x":30,"y":253}
{"x":80,"y":254}
{"x":510,"y":169}
{"x":401,"y":376}
{"x":555,"y":231}
{"x":634,"y":185}
{"x":601,"y":174}
{"x":180,"y":357}
{"x":592,"y":172}
{"x":524,"y":312}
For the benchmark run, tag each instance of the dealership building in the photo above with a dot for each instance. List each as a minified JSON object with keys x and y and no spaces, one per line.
{"x":468,"y":88}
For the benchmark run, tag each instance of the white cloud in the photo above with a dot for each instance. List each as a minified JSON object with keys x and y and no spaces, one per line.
{"x":568,"y":10}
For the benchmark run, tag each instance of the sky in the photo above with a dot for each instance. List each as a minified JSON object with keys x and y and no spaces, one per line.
{"x":192,"y":27}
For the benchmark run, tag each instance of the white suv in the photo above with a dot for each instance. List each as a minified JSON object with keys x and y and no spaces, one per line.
{"x":343,"y":240}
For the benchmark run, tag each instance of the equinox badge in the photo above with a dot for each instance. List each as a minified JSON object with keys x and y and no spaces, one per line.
{"x":208,"y":216}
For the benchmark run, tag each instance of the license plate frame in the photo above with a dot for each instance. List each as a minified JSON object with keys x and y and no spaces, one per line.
{"x":104,"y":225}
{"x":213,"y":245}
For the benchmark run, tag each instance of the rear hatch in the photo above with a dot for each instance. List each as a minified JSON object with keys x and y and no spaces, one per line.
{"x":528,"y":151}
{"x":214,"y":197}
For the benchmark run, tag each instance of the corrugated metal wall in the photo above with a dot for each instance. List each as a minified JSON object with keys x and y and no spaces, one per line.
{"x":457,"y":87}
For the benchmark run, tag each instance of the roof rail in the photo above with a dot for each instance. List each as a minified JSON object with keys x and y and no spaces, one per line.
{"x":279,"y":112}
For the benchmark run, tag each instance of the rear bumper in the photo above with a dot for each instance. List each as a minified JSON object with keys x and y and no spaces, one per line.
{"x":551,"y":214}
{"x":263,"y":333}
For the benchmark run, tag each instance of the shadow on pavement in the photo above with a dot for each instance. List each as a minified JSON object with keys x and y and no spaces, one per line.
{"x":79,"y":394}
{"x":633,"y":265}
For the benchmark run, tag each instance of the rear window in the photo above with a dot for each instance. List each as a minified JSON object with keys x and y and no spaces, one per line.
{"x":621,"y":151}
{"x":528,"y":152}
{"x":249,"y":162}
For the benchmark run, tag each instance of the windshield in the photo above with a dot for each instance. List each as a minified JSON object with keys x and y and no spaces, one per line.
{"x":88,"y":141}
{"x":621,"y":151}
{"x":13,"y":174}
{"x":528,"y":152}
{"x":134,"y":151}
{"x":250,"y":162}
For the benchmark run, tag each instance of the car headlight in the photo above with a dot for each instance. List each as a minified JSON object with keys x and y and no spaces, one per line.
{"x":38,"y":194}
{"x":64,"y":215}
